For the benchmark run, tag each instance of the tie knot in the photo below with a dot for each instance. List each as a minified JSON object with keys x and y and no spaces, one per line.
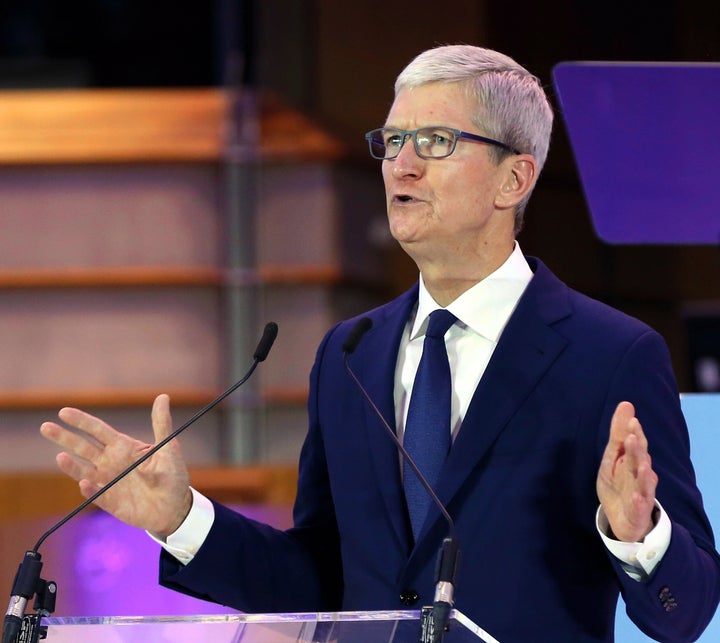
{"x":440,"y":321}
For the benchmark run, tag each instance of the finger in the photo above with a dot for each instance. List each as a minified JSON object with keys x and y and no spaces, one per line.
{"x":624,"y":413}
{"x":88,"y":488}
{"x":636,"y":447}
{"x":77,"y":444}
{"x":161,"y":418}
{"x":89,"y":424}
{"x":643,"y":505}
{"x":647,"y":480}
{"x":621,"y":419}
{"x":73,"y":467}
{"x":637,"y":429}
{"x":53,"y":432}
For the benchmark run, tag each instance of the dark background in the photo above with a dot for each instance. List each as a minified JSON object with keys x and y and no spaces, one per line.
{"x":336,"y":61}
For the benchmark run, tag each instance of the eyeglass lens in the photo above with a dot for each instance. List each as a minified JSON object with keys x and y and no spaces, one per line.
{"x":430,"y":142}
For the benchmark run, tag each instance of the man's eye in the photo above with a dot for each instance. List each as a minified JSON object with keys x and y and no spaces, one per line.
{"x":393,"y":141}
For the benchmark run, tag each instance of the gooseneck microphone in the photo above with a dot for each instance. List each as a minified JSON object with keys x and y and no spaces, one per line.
{"x":435,"y":620}
{"x":27,"y":580}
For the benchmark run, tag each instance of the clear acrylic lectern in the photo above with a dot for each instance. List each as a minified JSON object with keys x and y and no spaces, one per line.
{"x":323,"y":627}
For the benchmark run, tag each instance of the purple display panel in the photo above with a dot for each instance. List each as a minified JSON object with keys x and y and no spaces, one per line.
{"x":646,"y":140}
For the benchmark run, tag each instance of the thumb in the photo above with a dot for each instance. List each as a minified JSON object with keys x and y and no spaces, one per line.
{"x":161,"y":418}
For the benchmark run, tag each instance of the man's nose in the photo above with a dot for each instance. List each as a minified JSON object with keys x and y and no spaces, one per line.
{"x":407,"y":162}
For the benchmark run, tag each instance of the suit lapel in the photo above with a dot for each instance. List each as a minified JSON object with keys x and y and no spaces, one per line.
{"x":525,"y":351}
{"x":374,"y":363}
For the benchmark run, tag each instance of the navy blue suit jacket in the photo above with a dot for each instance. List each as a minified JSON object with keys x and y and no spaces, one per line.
{"x":519,"y":483}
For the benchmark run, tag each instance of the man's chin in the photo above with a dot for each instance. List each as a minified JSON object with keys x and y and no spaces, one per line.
{"x":405,"y":229}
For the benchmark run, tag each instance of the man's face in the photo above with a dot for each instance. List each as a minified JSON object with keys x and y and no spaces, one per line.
{"x":443,"y":209}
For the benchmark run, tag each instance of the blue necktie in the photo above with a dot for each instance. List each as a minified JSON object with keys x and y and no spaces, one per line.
{"x":427,"y":429}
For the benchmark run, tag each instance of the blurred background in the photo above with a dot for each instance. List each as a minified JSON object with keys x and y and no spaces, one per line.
{"x":172,"y":176}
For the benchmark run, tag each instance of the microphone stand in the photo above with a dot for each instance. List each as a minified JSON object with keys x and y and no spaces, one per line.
{"x":25,"y":628}
{"x":19,"y":627}
{"x":434,"y":618}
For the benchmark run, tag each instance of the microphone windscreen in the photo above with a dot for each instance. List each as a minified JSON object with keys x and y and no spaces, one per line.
{"x":266,"y":341}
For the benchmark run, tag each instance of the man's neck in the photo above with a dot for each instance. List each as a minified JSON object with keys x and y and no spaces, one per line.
{"x":446,"y":283}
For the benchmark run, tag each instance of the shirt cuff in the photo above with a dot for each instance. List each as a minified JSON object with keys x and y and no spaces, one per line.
{"x":185,"y":542}
{"x":639,"y":560}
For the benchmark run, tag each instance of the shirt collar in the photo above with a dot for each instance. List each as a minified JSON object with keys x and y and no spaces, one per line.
{"x":486,"y":307}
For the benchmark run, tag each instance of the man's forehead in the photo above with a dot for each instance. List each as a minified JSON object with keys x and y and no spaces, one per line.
{"x":431,"y":104}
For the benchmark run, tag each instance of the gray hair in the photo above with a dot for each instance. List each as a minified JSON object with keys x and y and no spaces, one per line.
{"x":512,"y":106}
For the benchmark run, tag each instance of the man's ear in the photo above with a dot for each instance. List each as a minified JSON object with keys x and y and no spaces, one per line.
{"x":518,"y":181}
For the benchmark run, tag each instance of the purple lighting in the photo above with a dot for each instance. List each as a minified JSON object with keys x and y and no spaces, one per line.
{"x":104,"y":567}
{"x":645,"y":139}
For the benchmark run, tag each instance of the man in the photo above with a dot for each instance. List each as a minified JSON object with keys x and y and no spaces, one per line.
{"x":549,"y":392}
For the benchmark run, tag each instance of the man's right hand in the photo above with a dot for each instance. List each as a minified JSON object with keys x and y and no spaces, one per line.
{"x":155,"y":497}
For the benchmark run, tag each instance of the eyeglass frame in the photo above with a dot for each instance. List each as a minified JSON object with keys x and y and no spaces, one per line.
{"x":459,"y":134}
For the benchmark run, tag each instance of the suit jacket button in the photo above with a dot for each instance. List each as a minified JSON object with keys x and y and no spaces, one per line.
{"x":409,"y":597}
{"x":668,"y":600}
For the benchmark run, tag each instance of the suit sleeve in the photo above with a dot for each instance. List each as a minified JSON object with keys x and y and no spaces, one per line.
{"x":253,"y":567}
{"x":679,"y":599}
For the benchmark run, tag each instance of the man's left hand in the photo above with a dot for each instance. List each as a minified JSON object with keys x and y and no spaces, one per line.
{"x":626,"y":481}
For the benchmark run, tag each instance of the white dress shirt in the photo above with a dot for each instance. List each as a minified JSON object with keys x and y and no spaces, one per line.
{"x":482,"y":313}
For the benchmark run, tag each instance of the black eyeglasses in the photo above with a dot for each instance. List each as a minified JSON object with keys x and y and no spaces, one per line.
{"x":433,"y":142}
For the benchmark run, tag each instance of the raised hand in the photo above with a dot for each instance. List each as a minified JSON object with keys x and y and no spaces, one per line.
{"x":155,"y":497}
{"x":626,"y":481}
